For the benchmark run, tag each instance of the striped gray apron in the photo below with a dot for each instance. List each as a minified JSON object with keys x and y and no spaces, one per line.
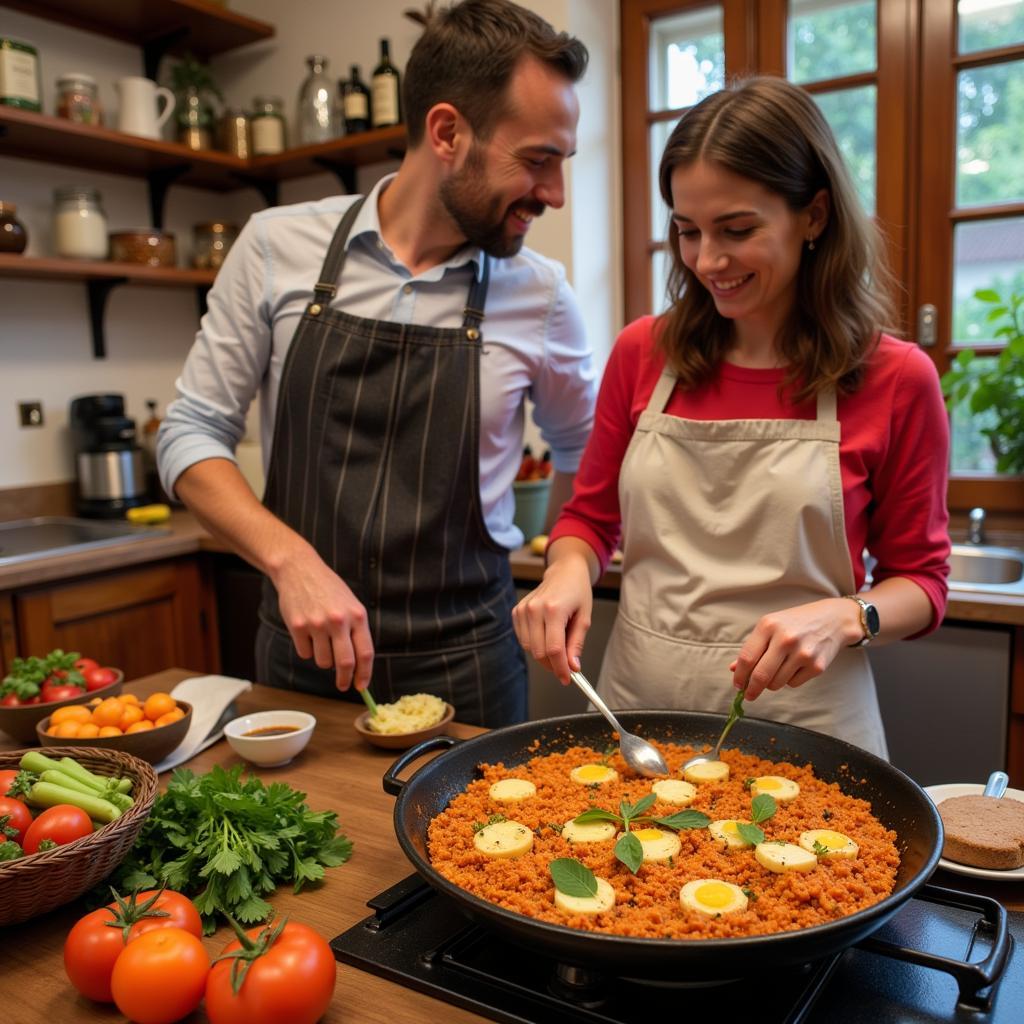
{"x":376,"y":462}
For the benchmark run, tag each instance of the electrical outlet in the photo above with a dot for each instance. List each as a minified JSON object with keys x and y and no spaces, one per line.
{"x":30,"y":414}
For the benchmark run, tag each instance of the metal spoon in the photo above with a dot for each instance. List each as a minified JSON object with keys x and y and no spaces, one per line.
{"x":996,"y":785}
{"x":735,"y":714}
{"x":636,"y":752}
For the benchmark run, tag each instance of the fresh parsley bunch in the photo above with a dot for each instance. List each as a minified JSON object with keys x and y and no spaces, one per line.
{"x":228,"y":842}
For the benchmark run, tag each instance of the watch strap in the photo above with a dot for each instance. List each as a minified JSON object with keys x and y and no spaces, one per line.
{"x":864,"y":624}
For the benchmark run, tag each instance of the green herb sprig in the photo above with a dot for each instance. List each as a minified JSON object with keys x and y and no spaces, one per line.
{"x":629,"y":849}
{"x":762,"y":807}
{"x":494,"y":819}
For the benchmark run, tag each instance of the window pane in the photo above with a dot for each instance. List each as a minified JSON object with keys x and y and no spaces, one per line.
{"x":661,"y":264}
{"x":987,"y":24}
{"x":990,"y":134}
{"x":986,"y":254}
{"x":831,"y":38}
{"x":851,"y":115}
{"x":970,"y":451}
{"x":659,"y":133}
{"x":687,"y":58}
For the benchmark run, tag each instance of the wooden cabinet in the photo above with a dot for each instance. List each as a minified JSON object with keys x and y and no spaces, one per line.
{"x":141,"y":620}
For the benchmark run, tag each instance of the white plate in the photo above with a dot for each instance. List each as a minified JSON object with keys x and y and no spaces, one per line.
{"x":940,"y":793}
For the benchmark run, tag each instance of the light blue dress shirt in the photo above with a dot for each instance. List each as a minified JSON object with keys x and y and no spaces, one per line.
{"x":534,"y":344}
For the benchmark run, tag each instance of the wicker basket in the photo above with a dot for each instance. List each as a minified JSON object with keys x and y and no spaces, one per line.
{"x":38,"y":883}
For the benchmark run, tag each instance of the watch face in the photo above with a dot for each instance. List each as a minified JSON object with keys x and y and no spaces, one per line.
{"x":871,"y":617}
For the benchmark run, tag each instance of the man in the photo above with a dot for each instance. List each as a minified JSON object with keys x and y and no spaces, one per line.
{"x":393,"y":341}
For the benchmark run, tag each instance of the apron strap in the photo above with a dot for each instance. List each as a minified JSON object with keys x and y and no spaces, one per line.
{"x":662,"y":391}
{"x":473,"y":314}
{"x":326,"y":286}
{"x":826,"y":403}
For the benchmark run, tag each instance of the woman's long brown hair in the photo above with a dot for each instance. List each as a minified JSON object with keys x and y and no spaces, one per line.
{"x":772,"y":132}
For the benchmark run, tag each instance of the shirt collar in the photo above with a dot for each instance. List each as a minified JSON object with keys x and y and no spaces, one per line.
{"x":367,"y":227}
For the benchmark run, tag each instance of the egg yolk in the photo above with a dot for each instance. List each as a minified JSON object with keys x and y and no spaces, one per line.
{"x":833,"y":840}
{"x":731,"y":827}
{"x":714,"y":894}
{"x":646,"y":835}
{"x":592,"y":772}
{"x":763,"y":784}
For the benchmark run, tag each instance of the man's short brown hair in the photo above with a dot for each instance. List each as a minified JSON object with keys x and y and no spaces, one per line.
{"x":467,"y":54}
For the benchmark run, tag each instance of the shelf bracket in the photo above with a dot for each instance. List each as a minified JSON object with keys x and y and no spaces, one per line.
{"x":269,"y":190}
{"x":159,"y":182}
{"x":99,"y":290}
{"x":154,"y":50}
{"x":345,"y":173}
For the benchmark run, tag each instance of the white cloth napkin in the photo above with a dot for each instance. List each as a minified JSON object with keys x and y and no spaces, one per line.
{"x":209,"y":697}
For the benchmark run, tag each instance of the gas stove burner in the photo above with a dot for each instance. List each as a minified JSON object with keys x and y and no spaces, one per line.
{"x":579,"y":986}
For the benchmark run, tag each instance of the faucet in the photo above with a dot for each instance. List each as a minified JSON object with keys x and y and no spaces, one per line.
{"x":976,"y":526}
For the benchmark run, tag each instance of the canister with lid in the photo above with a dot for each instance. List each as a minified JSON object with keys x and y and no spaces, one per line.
{"x":235,"y":133}
{"x":79,"y":223}
{"x":268,"y":126}
{"x":19,"y":74}
{"x":78,"y":98}
{"x":211,"y":244}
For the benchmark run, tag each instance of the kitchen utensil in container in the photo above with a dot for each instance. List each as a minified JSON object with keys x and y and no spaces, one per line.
{"x":735,"y":714}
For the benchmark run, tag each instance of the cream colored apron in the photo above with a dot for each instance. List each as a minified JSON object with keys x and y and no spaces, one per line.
{"x":725,"y":521}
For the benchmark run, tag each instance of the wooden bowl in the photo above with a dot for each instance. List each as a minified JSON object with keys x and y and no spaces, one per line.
{"x":403,"y":740}
{"x":20,"y":722}
{"x":152,"y":745}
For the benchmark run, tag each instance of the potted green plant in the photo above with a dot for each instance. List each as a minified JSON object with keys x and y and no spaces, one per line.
{"x":193,"y":85}
{"x":995,"y":385}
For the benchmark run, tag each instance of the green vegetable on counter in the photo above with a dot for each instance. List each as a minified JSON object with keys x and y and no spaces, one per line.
{"x":228,"y":842}
{"x":76,"y":783}
{"x":46,"y":794}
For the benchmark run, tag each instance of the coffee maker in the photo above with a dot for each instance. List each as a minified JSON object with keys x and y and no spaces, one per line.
{"x":108,"y":461}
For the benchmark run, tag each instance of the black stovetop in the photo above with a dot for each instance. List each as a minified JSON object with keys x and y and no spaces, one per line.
{"x":419,"y":938}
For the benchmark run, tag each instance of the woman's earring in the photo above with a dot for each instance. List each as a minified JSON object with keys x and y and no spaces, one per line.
{"x":810,"y":245}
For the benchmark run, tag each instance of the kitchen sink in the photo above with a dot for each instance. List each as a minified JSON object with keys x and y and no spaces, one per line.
{"x":44,"y":536}
{"x":985,"y":568}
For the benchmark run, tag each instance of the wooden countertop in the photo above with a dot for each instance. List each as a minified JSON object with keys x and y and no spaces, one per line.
{"x":182,"y":535}
{"x":337,"y":761}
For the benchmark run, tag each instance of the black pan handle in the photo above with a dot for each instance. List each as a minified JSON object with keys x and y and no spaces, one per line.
{"x":393,"y":784}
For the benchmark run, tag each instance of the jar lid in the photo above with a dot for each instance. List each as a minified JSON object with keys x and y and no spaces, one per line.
{"x":216,"y":227}
{"x":85,"y":192}
{"x":8,"y":208}
{"x":76,"y":76}
{"x":268,"y":101}
{"x":146,"y":233}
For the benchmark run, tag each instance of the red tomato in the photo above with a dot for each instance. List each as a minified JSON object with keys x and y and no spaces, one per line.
{"x":7,"y":776}
{"x":10,"y":700}
{"x":85,"y":663}
{"x":293,"y":981}
{"x":59,"y":691}
{"x":160,"y":976}
{"x":94,"y":944}
{"x":19,"y":816}
{"x":63,"y":824}
{"x":97,"y":677}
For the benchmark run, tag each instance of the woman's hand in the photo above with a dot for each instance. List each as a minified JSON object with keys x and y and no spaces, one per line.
{"x":552,"y":621}
{"x":791,"y":646}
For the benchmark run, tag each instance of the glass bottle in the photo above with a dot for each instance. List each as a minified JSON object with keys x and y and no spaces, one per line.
{"x":194,"y":118}
{"x":384,"y":106}
{"x":235,"y":135}
{"x":317,"y":116}
{"x":79,"y":223}
{"x":355,"y":103}
{"x":13,"y":236}
{"x":269,"y":132}
{"x":78,"y":98}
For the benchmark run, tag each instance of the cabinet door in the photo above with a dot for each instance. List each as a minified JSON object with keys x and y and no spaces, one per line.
{"x":142,"y":621}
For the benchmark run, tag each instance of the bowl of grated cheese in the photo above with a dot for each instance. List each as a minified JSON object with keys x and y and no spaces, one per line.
{"x":409,"y":720}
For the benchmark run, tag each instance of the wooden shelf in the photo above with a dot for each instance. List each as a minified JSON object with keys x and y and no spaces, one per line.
{"x":350,"y":151}
{"x":47,"y":269}
{"x":174,"y":26}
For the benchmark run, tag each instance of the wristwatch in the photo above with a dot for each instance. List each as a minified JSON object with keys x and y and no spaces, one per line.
{"x":869,"y":621}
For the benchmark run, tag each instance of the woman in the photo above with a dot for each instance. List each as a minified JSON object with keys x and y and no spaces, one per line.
{"x":750,"y":443}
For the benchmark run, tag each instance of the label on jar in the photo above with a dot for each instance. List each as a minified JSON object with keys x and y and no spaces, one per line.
{"x":385,"y":100}
{"x":267,"y":135}
{"x":18,"y":78}
{"x":357,"y":106}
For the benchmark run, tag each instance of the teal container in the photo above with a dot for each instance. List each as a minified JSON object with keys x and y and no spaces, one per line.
{"x":531,"y":506}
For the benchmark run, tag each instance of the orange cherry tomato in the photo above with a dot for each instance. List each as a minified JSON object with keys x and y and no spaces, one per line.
{"x":67,"y":730}
{"x":87,"y":731}
{"x":109,"y":730}
{"x":158,"y":704}
{"x":71,"y":713}
{"x":143,"y":726}
{"x":131,"y":714}
{"x":108,"y":712}
{"x":172,"y":716}
{"x":128,"y":698}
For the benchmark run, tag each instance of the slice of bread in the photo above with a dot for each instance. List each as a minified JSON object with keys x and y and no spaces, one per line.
{"x":983,"y":831}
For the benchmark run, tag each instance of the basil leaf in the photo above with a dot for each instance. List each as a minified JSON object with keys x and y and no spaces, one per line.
{"x":762,"y":807}
{"x":644,"y":805}
{"x":595,"y":814}
{"x":629,"y":850}
{"x":573,"y":878}
{"x":749,"y":833}
{"x":685,"y":819}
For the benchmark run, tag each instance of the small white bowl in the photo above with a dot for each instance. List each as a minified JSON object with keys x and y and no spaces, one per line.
{"x":269,"y":751}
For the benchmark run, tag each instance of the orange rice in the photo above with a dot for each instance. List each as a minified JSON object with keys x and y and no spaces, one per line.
{"x":647,"y":904}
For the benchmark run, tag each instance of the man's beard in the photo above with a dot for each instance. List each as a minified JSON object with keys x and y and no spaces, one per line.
{"x":477,"y":213}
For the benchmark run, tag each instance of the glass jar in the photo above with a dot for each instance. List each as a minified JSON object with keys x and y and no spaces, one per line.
{"x":78,"y":98}
{"x":235,"y":133}
{"x":148,"y":246}
{"x":211,"y":244}
{"x":269,"y":134}
{"x":194,"y":118}
{"x":79,"y":223}
{"x":13,"y":236}
{"x":19,"y":75}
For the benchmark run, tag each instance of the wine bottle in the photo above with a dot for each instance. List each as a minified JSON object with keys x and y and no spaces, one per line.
{"x":355,"y":103}
{"x":384,"y":108}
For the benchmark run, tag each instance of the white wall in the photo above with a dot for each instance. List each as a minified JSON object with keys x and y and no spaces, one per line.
{"x":45,"y":344}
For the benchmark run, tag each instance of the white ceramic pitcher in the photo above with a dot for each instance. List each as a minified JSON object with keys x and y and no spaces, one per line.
{"x":138,"y":113}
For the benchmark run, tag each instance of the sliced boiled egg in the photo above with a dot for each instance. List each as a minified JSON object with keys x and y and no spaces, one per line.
{"x":775,"y":785}
{"x":835,"y":844}
{"x":658,"y":845}
{"x":512,"y":790}
{"x":592,"y":832}
{"x":784,"y":857}
{"x":593,"y":774}
{"x":504,"y":839}
{"x":707,"y":771}
{"x":726,"y":830}
{"x":712,"y":897}
{"x":598,"y":904}
{"x":674,"y":791}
